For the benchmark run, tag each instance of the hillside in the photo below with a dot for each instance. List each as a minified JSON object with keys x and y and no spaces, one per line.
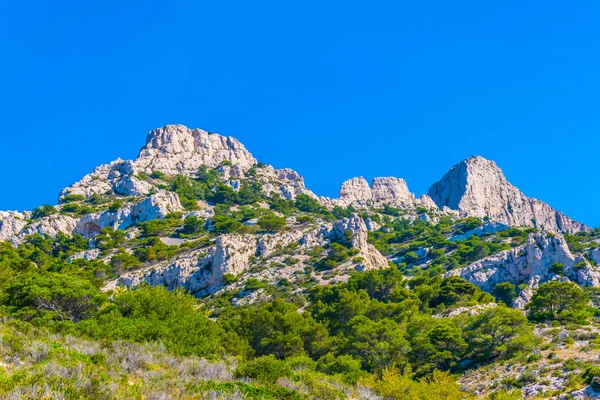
{"x":472,"y":290}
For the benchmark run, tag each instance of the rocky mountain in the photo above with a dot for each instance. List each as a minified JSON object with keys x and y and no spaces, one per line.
{"x":476,"y":187}
{"x":374,"y":278}
{"x":261,"y":223}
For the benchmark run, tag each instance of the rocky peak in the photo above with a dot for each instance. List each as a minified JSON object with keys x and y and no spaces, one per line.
{"x":392,"y":190}
{"x":356,"y":190}
{"x":477,"y":187}
{"x":384,"y":190}
{"x":176,"y":149}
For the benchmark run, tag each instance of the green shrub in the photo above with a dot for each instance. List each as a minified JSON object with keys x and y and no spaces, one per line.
{"x":43,"y":211}
{"x":271,"y":223}
{"x":265,"y":369}
{"x":70,"y":198}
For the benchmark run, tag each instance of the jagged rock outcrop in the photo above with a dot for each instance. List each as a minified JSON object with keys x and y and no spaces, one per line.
{"x":595,"y":254}
{"x":387,"y":190}
{"x":11,"y":224}
{"x":477,"y":187}
{"x":50,"y":226}
{"x":15,"y":226}
{"x":530,"y":264}
{"x":190,"y":272}
{"x":176,"y":149}
{"x":285,"y":182}
{"x":173,"y":149}
{"x":373,"y":259}
{"x":156,"y":206}
{"x":132,"y":186}
{"x":356,"y":190}
{"x":114,"y":178}
{"x":201,"y":271}
{"x":232,"y":255}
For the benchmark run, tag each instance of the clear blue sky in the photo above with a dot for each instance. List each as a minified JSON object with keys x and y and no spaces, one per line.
{"x":331,"y":89}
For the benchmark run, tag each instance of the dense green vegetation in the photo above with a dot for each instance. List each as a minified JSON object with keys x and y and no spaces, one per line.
{"x":405,"y":332}
{"x":401,"y":238}
{"x":376,"y":323}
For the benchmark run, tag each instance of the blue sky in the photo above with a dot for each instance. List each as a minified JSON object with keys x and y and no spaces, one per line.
{"x":331,"y":89}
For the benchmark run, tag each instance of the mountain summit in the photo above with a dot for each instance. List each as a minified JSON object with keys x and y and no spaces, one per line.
{"x":476,"y":187}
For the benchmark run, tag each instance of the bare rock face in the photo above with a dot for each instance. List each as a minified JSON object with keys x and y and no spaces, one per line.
{"x":356,"y":190}
{"x":201,"y":271}
{"x":132,"y":186}
{"x":373,"y":259}
{"x":114,"y":178}
{"x":392,"y":191}
{"x":11,"y":223}
{"x":388,"y":190}
{"x":156,"y":206}
{"x":176,"y":149}
{"x":189,"y":271}
{"x":232,"y":255}
{"x":285,"y":182}
{"x":50,"y":226}
{"x":595,"y":254}
{"x":15,"y":226}
{"x":477,"y":187}
{"x":529,"y":264}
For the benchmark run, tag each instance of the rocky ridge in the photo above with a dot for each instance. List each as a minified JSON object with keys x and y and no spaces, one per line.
{"x":201,"y":272}
{"x":473,"y":188}
{"x":383,"y":191}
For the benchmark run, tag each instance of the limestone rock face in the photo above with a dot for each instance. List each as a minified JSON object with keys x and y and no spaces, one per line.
{"x":11,"y":223}
{"x":392,"y":191}
{"x":595,"y":254}
{"x":50,"y":226}
{"x":156,"y":206}
{"x":477,"y":187}
{"x":356,"y":190}
{"x":173,"y":149}
{"x":285,"y":182}
{"x":201,"y":271}
{"x":529,"y":264}
{"x":189,"y":271}
{"x":388,"y":190}
{"x":116,"y":177}
{"x":132,"y":186}
{"x":373,"y":259}
{"x":232,"y":255}
{"x":176,"y":149}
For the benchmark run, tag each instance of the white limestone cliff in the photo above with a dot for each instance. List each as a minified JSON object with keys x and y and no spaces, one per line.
{"x":156,"y":206}
{"x":530,"y":264}
{"x":476,"y":187}
{"x":176,"y":149}
{"x":383,"y":191}
{"x":11,"y":224}
{"x":373,"y":259}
